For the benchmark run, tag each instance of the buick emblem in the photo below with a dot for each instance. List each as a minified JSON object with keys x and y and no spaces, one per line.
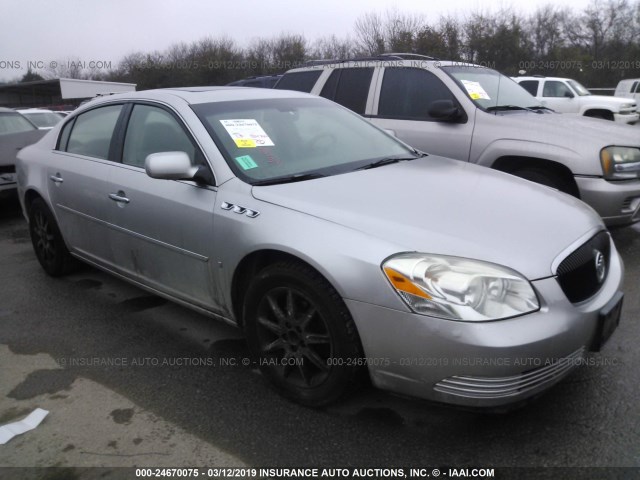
{"x":601,"y":265}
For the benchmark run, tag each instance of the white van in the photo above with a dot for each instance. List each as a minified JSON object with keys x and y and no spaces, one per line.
{"x":629,"y":88}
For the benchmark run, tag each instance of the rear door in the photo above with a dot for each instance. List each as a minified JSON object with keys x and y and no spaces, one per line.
{"x":404,"y":96}
{"x":351,"y":88}
{"x":530,"y":86}
{"x":163,"y":229}
{"x":78,"y":179}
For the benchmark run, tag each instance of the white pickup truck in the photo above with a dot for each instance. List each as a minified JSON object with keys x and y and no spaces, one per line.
{"x":565,"y":95}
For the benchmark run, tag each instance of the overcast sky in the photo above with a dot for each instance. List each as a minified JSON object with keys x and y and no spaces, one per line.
{"x":107,"y":30}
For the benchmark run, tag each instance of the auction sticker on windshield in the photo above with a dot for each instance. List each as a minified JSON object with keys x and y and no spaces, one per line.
{"x":246,"y":162}
{"x":247,"y":133}
{"x":475,"y":90}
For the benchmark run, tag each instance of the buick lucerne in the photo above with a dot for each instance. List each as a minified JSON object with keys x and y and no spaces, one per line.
{"x":342,"y":253}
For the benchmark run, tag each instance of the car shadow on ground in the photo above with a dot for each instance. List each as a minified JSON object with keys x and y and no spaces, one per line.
{"x":9,"y":207}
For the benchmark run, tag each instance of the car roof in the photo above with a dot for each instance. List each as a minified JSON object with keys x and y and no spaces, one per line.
{"x":540,"y":77}
{"x":7,"y":110}
{"x":389,"y":61}
{"x":195,"y":95}
{"x":34,"y":110}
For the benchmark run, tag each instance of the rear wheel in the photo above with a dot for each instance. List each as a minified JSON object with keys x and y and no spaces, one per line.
{"x":302,"y":334}
{"x":47,"y":241}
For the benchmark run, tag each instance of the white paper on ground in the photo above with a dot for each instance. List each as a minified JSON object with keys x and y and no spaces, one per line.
{"x":10,"y":430}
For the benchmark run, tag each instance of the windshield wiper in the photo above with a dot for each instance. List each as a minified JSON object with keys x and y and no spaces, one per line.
{"x":501,"y":108}
{"x":300,"y":177}
{"x":537,"y":108}
{"x":388,"y":161}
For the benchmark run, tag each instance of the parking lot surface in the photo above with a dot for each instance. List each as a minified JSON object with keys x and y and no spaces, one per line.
{"x":130,"y":379}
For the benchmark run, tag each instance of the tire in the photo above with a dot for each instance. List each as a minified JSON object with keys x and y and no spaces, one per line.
{"x":47,"y":240}
{"x":292,"y":314}
{"x":602,"y":115}
{"x":543,"y":177}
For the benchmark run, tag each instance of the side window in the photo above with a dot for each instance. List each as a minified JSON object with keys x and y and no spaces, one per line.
{"x":349,"y":87}
{"x":637,"y":89}
{"x":64,"y":135}
{"x":553,"y":88}
{"x":406,"y":93}
{"x":530,"y":86}
{"x":92,"y":131}
{"x":152,"y":130}
{"x":300,"y":81}
{"x":633,"y":87}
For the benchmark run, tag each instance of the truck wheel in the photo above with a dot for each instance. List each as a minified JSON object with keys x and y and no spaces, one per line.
{"x":604,"y":115}
{"x":302,"y":334}
{"x":543,"y":177}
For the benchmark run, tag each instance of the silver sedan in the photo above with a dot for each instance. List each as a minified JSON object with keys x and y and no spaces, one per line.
{"x":342,"y":253}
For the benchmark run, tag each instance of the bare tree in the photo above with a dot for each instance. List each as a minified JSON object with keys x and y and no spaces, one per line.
{"x":545,"y":26}
{"x":401,"y":30}
{"x":71,"y":67}
{"x":370,"y":37}
{"x":333,"y":47}
{"x":289,"y":51}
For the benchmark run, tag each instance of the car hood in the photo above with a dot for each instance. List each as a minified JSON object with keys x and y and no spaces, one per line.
{"x":441,"y":206}
{"x":609,"y":100}
{"x":572,"y":131}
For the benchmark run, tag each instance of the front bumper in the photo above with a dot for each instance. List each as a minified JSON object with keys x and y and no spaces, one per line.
{"x":618,"y":203}
{"x":427,"y":357}
{"x":626,"y":117}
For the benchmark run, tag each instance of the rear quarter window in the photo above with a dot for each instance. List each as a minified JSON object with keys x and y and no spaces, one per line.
{"x":299,"y":81}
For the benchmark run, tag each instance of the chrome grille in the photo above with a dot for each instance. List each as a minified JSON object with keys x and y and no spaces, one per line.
{"x":578,"y":273}
{"x":500,"y":387}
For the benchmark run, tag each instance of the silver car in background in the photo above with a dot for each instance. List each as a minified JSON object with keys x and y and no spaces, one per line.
{"x":475,"y":114}
{"x":16,"y":132}
{"x":336,"y":248}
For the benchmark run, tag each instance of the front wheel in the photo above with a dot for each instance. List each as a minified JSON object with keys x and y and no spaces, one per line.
{"x":543,"y":177}
{"x":47,"y":240}
{"x":302,"y":334}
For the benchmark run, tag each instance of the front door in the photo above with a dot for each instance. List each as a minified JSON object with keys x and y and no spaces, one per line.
{"x":163,"y":229}
{"x":405,"y":96}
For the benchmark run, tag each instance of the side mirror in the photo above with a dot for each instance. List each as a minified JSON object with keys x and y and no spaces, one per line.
{"x":444,"y":110}
{"x":568,"y":94}
{"x":170,"y":166}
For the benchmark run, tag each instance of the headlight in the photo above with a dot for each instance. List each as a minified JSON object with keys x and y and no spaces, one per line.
{"x":620,"y":163}
{"x":458,"y":288}
{"x":627,"y":106}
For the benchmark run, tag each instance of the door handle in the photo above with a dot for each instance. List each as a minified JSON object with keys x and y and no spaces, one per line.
{"x":119,"y":197}
{"x":56,"y":178}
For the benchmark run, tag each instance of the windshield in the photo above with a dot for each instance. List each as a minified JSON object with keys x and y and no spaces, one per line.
{"x":277,"y":138}
{"x":578,"y":88}
{"x":43,"y":119}
{"x":14,"y":123}
{"x":489,"y":89}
